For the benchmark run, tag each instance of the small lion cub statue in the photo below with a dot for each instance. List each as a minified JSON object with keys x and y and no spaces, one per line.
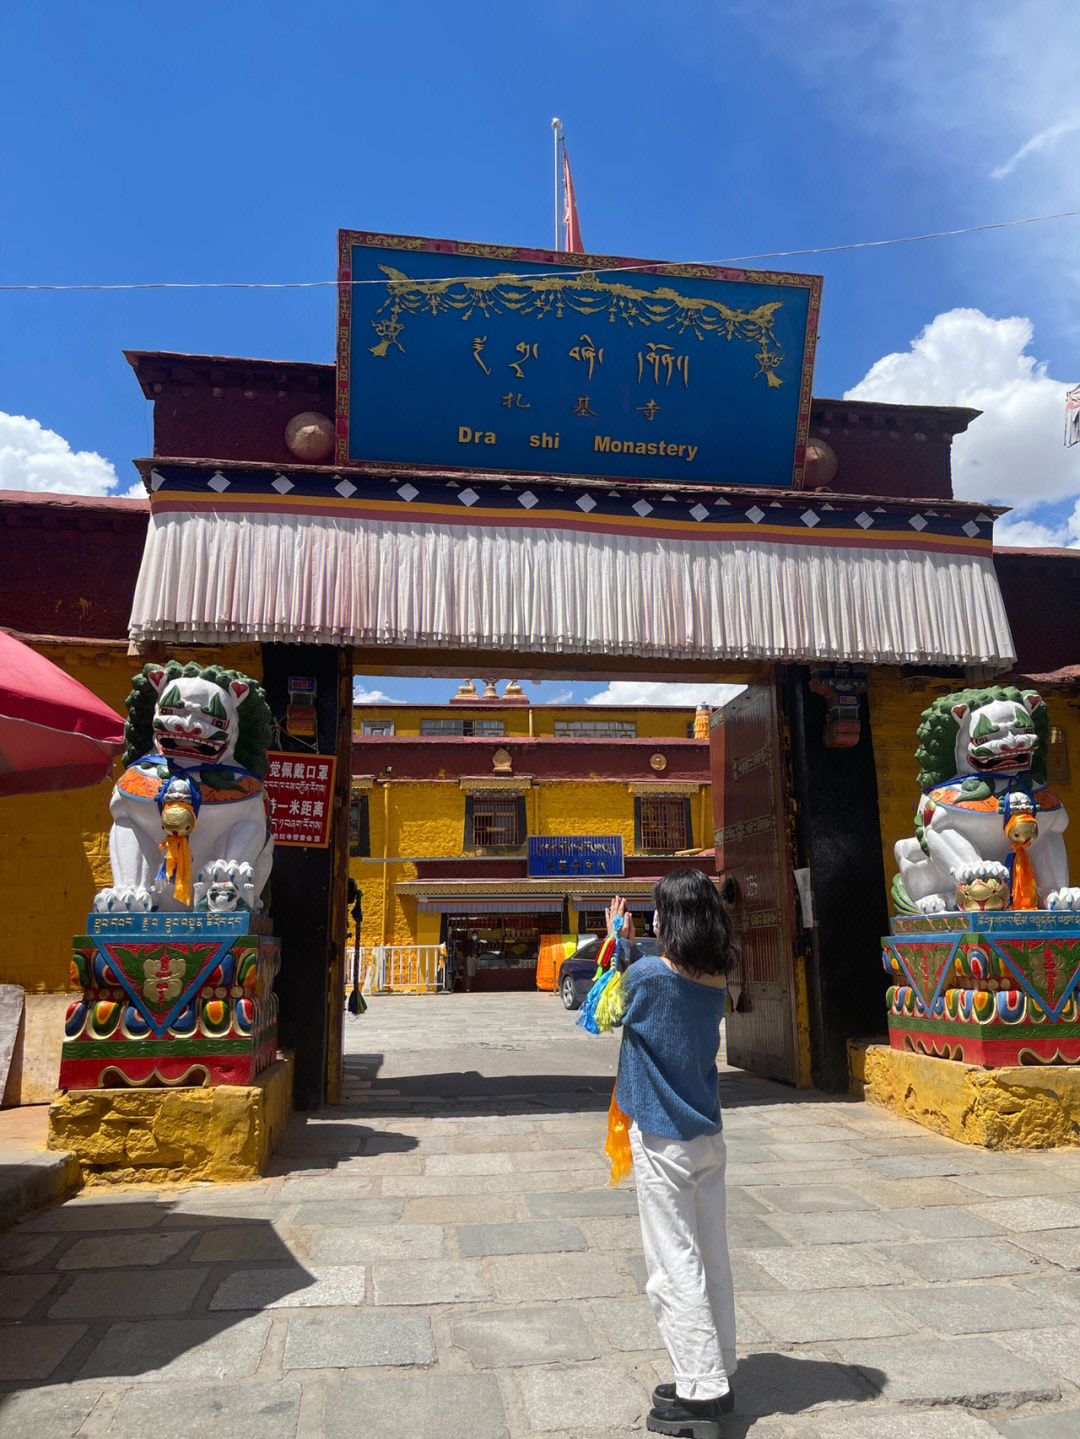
{"x":190,"y":814}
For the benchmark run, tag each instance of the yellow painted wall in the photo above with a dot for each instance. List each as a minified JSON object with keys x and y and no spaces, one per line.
{"x":1065,"y":715}
{"x":427,"y":820}
{"x":896,"y":707}
{"x":427,"y":925}
{"x":54,"y":847}
{"x":586,"y":809}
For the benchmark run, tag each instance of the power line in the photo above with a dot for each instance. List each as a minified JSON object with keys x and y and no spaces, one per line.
{"x":911,"y":239}
{"x":644,"y":266}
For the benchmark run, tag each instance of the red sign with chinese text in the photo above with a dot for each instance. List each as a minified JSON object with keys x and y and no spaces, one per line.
{"x":301,"y":790}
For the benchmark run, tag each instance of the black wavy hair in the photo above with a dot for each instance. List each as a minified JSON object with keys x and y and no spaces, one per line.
{"x":693,"y":924}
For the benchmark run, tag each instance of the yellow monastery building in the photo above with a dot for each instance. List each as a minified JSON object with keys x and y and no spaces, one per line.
{"x":482,"y":826}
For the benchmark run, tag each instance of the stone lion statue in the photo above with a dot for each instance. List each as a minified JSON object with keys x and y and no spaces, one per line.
{"x":988,"y":830}
{"x":190,"y":815}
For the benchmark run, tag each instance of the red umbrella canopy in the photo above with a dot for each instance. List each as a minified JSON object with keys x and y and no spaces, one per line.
{"x":54,"y":732}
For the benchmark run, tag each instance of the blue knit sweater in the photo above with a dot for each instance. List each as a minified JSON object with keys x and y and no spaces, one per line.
{"x":667,"y":1065}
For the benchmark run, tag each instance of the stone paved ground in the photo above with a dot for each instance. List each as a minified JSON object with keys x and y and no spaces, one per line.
{"x":442,"y":1256}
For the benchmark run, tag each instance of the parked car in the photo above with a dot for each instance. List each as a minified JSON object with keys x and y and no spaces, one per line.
{"x":576,"y":973}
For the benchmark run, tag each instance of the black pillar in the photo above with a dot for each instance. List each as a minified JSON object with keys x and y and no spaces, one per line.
{"x":302,"y":881}
{"x":839,"y":839}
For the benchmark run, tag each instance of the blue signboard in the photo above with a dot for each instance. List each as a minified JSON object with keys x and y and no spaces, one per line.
{"x":455,"y":356}
{"x":580,"y":855}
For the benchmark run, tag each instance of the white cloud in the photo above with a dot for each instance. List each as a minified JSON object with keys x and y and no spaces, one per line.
{"x":1039,"y":144}
{"x":34,"y":458}
{"x":643,"y":692}
{"x":1033,"y":534}
{"x":1013,"y":454}
{"x":362,"y":696}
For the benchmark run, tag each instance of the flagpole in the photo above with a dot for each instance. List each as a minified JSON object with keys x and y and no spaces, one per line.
{"x":556,"y":127}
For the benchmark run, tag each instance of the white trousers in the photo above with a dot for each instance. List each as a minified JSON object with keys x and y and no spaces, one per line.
{"x":683,"y":1213}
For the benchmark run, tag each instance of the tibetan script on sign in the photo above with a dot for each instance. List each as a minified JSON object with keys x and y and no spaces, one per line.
{"x":475,"y":357}
{"x":582,"y":855}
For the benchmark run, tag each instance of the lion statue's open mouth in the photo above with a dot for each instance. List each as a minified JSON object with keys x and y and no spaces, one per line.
{"x":1009,"y":756}
{"x":1002,"y":737}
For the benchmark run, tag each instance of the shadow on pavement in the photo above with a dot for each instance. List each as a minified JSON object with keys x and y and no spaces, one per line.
{"x":462,"y":1092}
{"x":738,"y":1087}
{"x":133,"y":1286}
{"x":770,"y":1383}
{"x":454,"y":1093}
{"x":363,"y":1067}
{"x":567,"y":1090}
{"x":315,"y":1143}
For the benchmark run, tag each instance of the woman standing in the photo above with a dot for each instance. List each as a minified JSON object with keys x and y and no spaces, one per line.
{"x":668,"y":1086}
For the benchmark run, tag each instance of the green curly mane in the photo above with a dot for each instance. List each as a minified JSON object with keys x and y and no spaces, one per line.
{"x":253,"y":716}
{"x":939,"y":728}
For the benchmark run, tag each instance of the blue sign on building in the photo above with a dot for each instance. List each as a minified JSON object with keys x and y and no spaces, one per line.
{"x":579,"y":855}
{"x":460,"y":356}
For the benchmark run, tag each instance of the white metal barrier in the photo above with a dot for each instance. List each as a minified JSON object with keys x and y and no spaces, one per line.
{"x":390,"y":968}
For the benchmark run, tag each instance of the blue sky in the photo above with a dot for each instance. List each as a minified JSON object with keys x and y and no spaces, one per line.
{"x":229,"y":142}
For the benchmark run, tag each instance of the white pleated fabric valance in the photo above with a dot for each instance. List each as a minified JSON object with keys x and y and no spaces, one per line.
{"x":529,"y":582}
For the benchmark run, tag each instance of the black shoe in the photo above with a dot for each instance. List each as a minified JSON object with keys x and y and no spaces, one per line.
{"x":665,"y":1394}
{"x":685,"y":1418}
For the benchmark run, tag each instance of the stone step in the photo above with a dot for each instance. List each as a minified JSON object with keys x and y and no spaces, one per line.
{"x":31,"y":1177}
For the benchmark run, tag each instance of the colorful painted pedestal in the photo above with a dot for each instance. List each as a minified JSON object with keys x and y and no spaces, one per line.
{"x":990,"y":989}
{"x":171,"y":1000}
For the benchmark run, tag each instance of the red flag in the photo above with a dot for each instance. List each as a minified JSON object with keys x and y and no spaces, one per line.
{"x":571,"y":228}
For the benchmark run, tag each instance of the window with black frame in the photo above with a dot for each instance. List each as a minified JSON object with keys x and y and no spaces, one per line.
{"x":495,"y":823}
{"x":461,"y":728}
{"x":359,"y":826}
{"x":595,"y":729}
{"x":662,"y":823}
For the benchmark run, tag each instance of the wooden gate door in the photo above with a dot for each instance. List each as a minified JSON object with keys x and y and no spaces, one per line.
{"x":753,"y":858}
